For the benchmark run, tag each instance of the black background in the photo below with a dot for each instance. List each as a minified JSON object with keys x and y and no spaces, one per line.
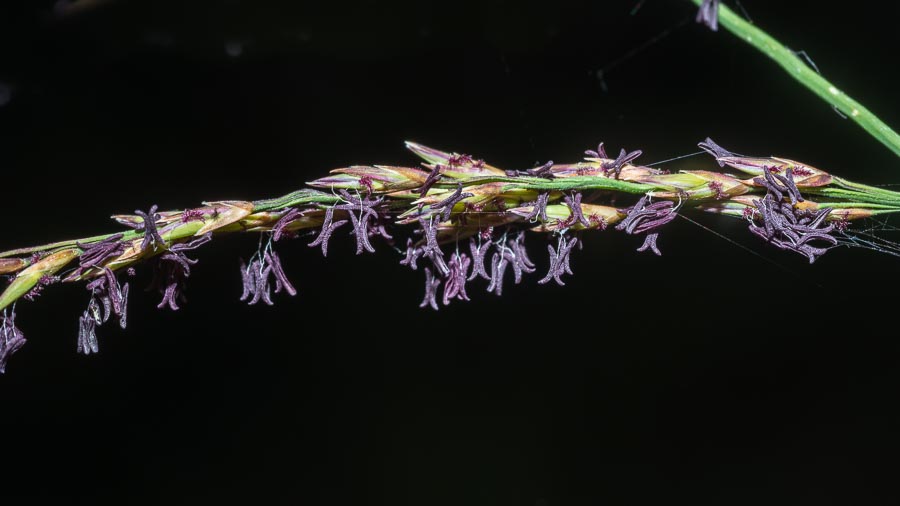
{"x":709,"y":375}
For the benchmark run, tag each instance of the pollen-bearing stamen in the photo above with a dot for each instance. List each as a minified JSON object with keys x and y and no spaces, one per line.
{"x":172,"y":270}
{"x":539,"y":208}
{"x":431,"y":249}
{"x":708,"y":14}
{"x":787,"y":227}
{"x":647,"y":218}
{"x":152,"y":239}
{"x":455,"y":284}
{"x":11,"y":338}
{"x":479,"y":250}
{"x":446,"y":206}
{"x":574,"y":203}
{"x":328,"y":228}
{"x":615,"y":167}
{"x":365,"y":206}
{"x":432,"y":283}
{"x":559,"y":260}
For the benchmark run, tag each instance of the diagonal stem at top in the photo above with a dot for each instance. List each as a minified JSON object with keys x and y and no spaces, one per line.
{"x":799,"y":70}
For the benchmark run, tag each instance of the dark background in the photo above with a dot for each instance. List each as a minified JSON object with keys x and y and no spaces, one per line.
{"x":709,"y":375}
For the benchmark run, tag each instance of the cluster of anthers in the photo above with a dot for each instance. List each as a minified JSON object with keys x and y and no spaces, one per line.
{"x":785,"y":225}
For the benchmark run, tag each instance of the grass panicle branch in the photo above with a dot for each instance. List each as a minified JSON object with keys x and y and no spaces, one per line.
{"x":450,"y":198}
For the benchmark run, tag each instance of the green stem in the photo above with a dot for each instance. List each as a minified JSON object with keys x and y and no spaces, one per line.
{"x":855,"y":196}
{"x":584,"y":183}
{"x":299,"y":197}
{"x":561,"y":184}
{"x":296,"y":198}
{"x":64,"y":244}
{"x":799,"y":70}
{"x":873,"y":190}
{"x":860,"y":205}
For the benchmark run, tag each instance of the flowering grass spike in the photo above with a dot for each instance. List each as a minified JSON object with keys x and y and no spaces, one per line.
{"x":452,"y":198}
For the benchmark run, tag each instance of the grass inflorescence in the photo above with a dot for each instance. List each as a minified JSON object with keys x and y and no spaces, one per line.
{"x":451,"y":199}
